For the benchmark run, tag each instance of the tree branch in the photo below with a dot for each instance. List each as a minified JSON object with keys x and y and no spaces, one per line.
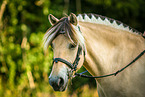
{"x":2,"y":9}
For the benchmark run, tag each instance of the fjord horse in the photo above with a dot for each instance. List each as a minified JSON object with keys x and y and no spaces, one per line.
{"x":100,"y":44}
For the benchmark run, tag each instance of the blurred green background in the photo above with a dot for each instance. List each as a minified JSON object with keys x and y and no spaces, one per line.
{"x":24,"y":68}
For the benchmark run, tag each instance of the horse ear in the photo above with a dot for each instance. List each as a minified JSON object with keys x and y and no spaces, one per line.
{"x":73,"y":19}
{"x":52,"y":19}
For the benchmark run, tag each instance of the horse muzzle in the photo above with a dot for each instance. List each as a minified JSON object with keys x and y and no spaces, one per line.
{"x":58,"y":82}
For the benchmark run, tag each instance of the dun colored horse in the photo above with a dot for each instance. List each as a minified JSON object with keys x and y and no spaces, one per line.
{"x":102,"y":45}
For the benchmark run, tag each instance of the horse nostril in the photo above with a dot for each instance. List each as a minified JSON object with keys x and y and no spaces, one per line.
{"x":57,"y":83}
{"x":60,"y":82}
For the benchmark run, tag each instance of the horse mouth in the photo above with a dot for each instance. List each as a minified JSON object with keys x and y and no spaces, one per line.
{"x":59,"y":89}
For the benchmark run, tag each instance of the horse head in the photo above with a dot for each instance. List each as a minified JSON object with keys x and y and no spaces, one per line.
{"x":68,"y":48}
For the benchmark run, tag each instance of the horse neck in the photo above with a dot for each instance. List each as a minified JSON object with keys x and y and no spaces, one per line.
{"x":106,"y":47}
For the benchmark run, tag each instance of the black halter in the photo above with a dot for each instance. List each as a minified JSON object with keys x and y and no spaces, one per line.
{"x":75,"y":63}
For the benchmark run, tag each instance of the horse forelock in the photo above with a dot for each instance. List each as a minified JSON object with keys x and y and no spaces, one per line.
{"x":63,"y":27}
{"x":98,"y":19}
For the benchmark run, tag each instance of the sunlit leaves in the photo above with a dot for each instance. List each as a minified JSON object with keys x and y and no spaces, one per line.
{"x":21,"y":49}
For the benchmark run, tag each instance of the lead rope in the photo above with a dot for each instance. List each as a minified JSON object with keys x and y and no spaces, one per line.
{"x":86,"y":76}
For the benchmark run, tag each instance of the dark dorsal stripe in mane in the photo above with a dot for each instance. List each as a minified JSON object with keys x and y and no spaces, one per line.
{"x":111,"y":21}
{"x":65,"y":27}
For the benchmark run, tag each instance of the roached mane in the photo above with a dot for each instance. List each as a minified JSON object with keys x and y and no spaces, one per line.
{"x":99,"y":19}
{"x":63,"y":27}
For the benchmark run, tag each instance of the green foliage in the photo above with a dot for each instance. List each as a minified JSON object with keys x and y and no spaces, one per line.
{"x":24,"y":68}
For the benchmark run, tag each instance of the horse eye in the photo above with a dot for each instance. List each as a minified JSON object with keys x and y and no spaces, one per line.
{"x":71,"y":46}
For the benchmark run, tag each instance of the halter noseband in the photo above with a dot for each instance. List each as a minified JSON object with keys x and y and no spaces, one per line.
{"x":75,"y":63}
